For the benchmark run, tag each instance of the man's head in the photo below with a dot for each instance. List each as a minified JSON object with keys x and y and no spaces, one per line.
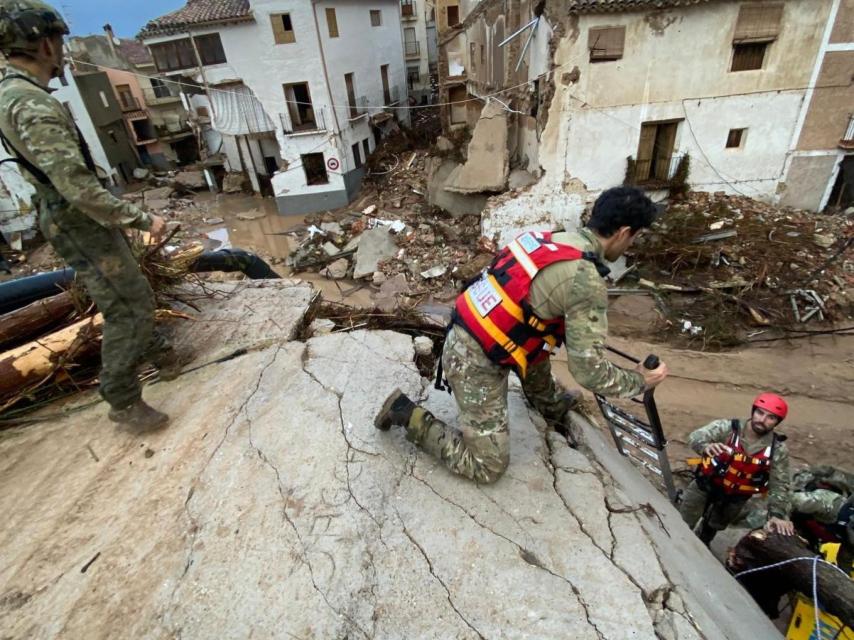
{"x":618,"y":215}
{"x":768,"y":411}
{"x":32,"y":30}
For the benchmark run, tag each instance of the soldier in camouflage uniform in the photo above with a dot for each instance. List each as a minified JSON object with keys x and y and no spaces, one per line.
{"x":81,"y":219}
{"x":571,"y":293}
{"x":826,"y":494}
{"x":719,"y":506}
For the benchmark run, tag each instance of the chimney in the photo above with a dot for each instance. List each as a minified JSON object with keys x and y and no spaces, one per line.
{"x":111,"y":39}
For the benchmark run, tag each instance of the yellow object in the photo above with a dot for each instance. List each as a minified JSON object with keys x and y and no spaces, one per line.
{"x":802,"y":624}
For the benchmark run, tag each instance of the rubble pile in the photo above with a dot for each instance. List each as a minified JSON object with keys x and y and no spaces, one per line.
{"x":751,"y":263}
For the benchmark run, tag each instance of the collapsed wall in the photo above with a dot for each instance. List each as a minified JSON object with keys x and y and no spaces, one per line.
{"x":271,"y":507}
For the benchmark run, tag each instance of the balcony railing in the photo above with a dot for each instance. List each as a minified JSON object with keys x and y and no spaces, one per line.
{"x":847,"y":141}
{"x":412,"y":49}
{"x":313,"y":120}
{"x":161,"y":94}
{"x":358,"y":108}
{"x":407,"y":10}
{"x":129,"y":103}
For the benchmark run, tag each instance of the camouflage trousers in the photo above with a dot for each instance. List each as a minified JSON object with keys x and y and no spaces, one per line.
{"x":822,"y":504}
{"x":104,"y":263}
{"x":479,"y":448}
{"x":722,"y":513}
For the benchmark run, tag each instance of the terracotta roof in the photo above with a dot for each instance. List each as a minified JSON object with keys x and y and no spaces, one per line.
{"x":198,"y":12}
{"x":135,"y":52}
{"x":601,"y":6}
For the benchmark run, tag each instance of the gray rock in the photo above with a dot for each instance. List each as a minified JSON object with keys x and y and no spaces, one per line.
{"x":233,"y":183}
{"x":332,"y":227}
{"x":443,"y":144}
{"x":191,"y":180}
{"x":519,"y":179}
{"x":336,"y":270}
{"x":423,"y":345}
{"x":321,"y":326}
{"x":330,"y":249}
{"x":158,"y":194}
{"x":353,"y":243}
{"x":379,"y":277}
{"x":375,"y":245}
{"x":141,"y":174}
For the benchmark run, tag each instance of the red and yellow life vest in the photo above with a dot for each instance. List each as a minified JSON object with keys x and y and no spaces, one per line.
{"x":737,"y":472}
{"x":495,"y":308}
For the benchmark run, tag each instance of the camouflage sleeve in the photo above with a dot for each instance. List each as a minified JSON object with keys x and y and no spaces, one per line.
{"x":52,"y":144}
{"x":586,"y":323}
{"x":715,"y":431}
{"x":780,"y":484}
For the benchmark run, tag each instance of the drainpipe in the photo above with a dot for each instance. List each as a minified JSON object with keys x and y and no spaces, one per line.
{"x":325,"y":72}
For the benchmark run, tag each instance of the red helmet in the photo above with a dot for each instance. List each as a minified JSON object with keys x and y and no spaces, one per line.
{"x":772,"y":403}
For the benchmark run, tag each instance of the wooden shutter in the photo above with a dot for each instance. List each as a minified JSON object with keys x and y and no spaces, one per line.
{"x":332,"y":23}
{"x":646,"y":148}
{"x":606,"y":43}
{"x":281,"y":34}
{"x":758,"y":23}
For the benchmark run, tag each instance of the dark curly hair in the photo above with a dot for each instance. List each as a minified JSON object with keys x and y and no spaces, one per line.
{"x":621,"y":207}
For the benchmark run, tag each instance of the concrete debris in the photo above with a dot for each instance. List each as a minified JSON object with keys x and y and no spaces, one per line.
{"x":332,"y":228}
{"x":233,"y":183}
{"x":330,"y":249}
{"x":278,"y":510}
{"x":440,"y":196}
{"x":376,"y":245}
{"x":423,"y":346}
{"x":141,"y":174}
{"x":336,"y":270}
{"x":443,"y":144}
{"x":216,"y":220}
{"x":370,"y":210}
{"x":435,"y":272}
{"x":378,"y":278}
{"x":192,"y":180}
{"x":823,"y":240}
{"x":252,"y":215}
{"x":486,"y":167}
{"x":158,"y":194}
{"x":519,"y":179}
{"x":321,"y":326}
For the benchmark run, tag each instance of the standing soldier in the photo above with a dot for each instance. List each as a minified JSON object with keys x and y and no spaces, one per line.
{"x":80,"y":218}
{"x":542,"y":290}
{"x":741,"y":458}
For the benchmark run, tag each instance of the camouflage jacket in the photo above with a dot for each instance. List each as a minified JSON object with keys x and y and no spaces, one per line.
{"x":824,"y":476}
{"x":576,"y":291}
{"x":780,"y":481}
{"x":40,"y":128}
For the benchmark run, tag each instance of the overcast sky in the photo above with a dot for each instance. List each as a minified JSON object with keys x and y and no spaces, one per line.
{"x":126,"y":16}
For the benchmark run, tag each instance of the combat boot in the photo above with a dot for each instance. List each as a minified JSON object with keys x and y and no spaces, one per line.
{"x":397,"y":410}
{"x":139,"y":417}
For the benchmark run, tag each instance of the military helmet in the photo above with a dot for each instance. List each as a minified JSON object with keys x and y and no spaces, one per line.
{"x":23,"y":23}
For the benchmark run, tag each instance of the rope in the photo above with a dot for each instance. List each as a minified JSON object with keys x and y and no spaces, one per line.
{"x":815,"y":560}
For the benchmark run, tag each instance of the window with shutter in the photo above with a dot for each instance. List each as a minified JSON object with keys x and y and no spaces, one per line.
{"x":606,"y":43}
{"x":283,"y":28}
{"x":332,"y":23}
{"x":758,"y":23}
{"x":210,"y":49}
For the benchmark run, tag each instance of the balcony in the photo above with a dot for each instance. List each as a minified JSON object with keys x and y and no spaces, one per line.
{"x":173,"y":132}
{"x":847,"y":141}
{"x":160,"y":95}
{"x":128,"y":103}
{"x":358,"y":108}
{"x":412,"y":49}
{"x":408,"y":10}
{"x":312,"y":120}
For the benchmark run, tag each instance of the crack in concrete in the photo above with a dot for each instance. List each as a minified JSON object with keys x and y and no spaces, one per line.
{"x":525,"y":554}
{"x":435,"y":575}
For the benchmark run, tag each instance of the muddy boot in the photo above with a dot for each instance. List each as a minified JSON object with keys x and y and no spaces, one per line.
{"x":397,"y":410}
{"x":139,"y":417}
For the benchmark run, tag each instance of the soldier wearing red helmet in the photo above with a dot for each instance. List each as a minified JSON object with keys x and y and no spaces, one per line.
{"x":741,"y":458}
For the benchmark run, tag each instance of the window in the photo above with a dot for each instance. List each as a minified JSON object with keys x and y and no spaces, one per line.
{"x":351,"y":95}
{"x":757,"y":27}
{"x":366,"y":147}
{"x":174,"y":55}
{"x":210,"y":49}
{"x":655,"y":159}
{"x":113,"y":136}
{"x":413,"y":77}
{"x":472,"y":54}
{"x":386,"y":90}
{"x":357,"y":156}
{"x":315,"y":169}
{"x":735,"y":138}
{"x":104,"y":100}
{"x":271,"y":165}
{"x":453,"y":15}
{"x":748,"y":57}
{"x":606,"y":43}
{"x":407,"y":8}
{"x":160,"y":88}
{"x":410,"y":44}
{"x":376,"y":18}
{"x":283,"y":28}
{"x":332,"y":23}
{"x":457,"y":97}
{"x":300,"y":108}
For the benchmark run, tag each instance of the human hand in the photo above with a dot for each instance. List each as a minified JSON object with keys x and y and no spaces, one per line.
{"x":653,"y":377}
{"x":715,"y":449}
{"x":158,"y":227}
{"x":783,"y":527}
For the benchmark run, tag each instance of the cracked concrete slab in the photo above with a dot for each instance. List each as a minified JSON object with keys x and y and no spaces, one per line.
{"x":273,"y":508}
{"x":487,"y":164}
